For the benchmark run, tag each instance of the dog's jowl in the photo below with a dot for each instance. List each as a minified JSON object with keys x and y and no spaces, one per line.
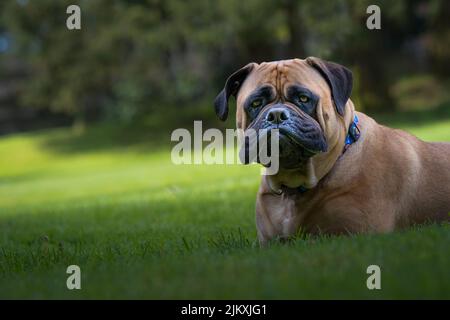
{"x":339,"y":170}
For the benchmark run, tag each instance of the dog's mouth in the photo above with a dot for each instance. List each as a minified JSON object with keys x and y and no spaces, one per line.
{"x":298,"y":137}
{"x":289,"y":139}
{"x":292,"y":151}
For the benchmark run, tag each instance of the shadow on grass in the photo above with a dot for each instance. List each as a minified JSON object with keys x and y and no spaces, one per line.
{"x":153,"y":132}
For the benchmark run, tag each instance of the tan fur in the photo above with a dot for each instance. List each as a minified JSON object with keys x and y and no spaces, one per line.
{"x":388,"y":179}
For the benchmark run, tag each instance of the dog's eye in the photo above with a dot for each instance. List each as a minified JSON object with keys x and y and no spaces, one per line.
{"x":303,"y":98}
{"x":256,"y":103}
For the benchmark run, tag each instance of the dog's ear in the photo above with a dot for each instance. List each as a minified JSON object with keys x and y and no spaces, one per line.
{"x":339,"y":78}
{"x":232,"y":86}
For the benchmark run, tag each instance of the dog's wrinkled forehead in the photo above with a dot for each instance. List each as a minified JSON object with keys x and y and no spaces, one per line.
{"x":280,"y":75}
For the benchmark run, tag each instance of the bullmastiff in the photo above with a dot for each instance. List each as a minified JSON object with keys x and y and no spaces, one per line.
{"x":340,"y":171}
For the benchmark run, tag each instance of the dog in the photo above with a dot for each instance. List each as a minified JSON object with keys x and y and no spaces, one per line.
{"x":340,"y":171}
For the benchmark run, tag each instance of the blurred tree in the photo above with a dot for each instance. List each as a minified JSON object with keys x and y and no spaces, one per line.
{"x":137,"y":56}
{"x":438,"y":37}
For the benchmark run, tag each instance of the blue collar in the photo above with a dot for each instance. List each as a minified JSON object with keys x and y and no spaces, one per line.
{"x":353,"y":135}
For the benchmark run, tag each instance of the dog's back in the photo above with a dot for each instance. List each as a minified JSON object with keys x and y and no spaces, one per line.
{"x":434,"y":192}
{"x":424,"y":171}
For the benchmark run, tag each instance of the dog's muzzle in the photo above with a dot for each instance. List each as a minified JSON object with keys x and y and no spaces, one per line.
{"x":300,"y":135}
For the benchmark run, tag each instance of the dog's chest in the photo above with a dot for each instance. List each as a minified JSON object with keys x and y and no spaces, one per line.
{"x":289,"y":216}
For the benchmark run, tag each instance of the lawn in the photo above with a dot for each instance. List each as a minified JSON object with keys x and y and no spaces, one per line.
{"x":140,"y":227}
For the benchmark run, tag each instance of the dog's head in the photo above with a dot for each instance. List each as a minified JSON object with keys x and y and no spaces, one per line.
{"x":305,"y":99}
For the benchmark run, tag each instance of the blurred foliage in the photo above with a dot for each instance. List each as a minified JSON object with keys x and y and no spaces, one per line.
{"x":420,"y":92}
{"x":134,"y":57}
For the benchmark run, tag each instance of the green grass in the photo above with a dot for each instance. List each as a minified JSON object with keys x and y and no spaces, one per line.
{"x":141,"y":227}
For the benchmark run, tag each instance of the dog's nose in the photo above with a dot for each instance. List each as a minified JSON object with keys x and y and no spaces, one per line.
{"x":277,"y":115}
